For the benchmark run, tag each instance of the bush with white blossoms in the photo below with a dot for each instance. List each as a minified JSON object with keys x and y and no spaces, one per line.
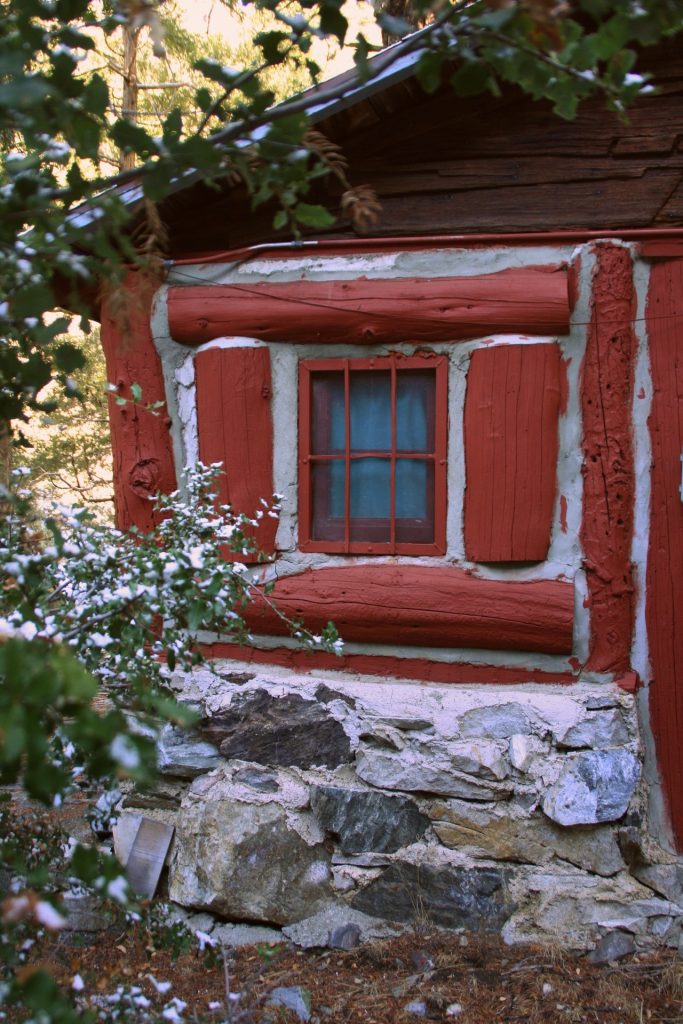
{"x":86,"y":609}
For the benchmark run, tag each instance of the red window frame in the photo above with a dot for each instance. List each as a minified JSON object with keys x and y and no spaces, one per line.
{"x":394,"y":363}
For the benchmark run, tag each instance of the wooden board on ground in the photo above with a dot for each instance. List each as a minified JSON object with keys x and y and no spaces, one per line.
{"x":147,"y":856}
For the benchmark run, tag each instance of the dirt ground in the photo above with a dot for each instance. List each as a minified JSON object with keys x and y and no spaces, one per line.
{"x":439,"y":976}
{"x":429,"y":976}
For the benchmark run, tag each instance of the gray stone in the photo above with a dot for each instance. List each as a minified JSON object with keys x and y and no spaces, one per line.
{"x":318,"y":931}
{"x":452,"y":897}
{"x":247,"y":862}
{"x":612,"y":946}
{"x":492,"y":831}
{"x":496,"y":721}
{"x":84,"y":913}
{"x":414,"y":772}
{"x":201,"y":923}
{"x":524,"y":749}
{"x":347,"y":936}
{"x":666,"y":879}
{"x":165,"y":794}
{"x":184,"y":754}
{"x":481,"y":758}
{"x":325,"y":694}
{"x":418,"y":1008}
{"x":236,"y":935}
{"x":367,"y":820}
{"x":598,"y":730}
{"x":257,"y":778}
{"x":287,"y":731}
{"x":409,"y":724}
{"x":594,"y":786}
{"x":295,"y":999}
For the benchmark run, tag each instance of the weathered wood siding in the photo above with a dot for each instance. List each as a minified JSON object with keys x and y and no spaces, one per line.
{"x":511,"y":446}
{"x":665,"y":562}
{"x":235,"y":428}
{"x":437,"y":607}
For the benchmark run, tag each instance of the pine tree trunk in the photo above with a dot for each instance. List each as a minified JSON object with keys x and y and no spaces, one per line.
{"x":129,"y":104}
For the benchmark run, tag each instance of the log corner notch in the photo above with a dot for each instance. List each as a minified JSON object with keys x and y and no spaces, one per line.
{"x":519,"y":300}
{"x":141,"y":442}
{"x":424,"y":607}
{"x":607,"y":384}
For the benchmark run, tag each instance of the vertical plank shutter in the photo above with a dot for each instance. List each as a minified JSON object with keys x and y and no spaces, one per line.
{"x":235,"y":427}
{"x":511,"y":446}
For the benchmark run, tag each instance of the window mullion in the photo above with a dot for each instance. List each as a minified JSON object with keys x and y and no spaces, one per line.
{"x":392,"y":506}
{"x":347,"y":457}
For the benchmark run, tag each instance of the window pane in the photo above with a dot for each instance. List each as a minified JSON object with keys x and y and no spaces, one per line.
{"x":415,"y":410}
{"x":327,"y":413}
{"x":370,"y":393}
{"x":370,"y":488}
{"x":414,"y":501}
{"x":328,"y":483}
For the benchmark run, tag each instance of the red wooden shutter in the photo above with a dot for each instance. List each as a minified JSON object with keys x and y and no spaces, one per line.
{"x":511,"y":446}
{"x":235,"y":427}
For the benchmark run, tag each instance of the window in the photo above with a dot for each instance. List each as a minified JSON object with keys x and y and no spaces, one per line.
{"x":372,"y":437}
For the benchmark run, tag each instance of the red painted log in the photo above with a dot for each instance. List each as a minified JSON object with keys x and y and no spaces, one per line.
{"x":428,"y":607}
{"x":606,"y":400}
{"x":389,"y":666}
{"x":533,"y":300}
{"x":665,"y":556}
{"x":141,"y":443}
{"x":511,"y":444}
{"x":235,"y":427}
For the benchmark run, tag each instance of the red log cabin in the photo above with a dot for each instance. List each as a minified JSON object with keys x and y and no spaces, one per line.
{"x":473,"y":412}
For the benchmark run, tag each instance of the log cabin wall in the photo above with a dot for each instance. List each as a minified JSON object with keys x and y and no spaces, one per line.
{"x":551,"y":598}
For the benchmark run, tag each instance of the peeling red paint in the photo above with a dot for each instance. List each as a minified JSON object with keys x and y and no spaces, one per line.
{"x":427,"y":607}
{"x":629,"y":682}
{"x":607,"y":385}
{"x":563,"y":513}
{"x":370,"y":312}
{"x":390,"y":667}
{"x":141,"y":442}
{"x":564,"y":383}
{"x":664,"y":610}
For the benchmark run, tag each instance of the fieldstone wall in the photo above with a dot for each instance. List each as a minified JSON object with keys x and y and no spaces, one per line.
{"x":301,"y":802}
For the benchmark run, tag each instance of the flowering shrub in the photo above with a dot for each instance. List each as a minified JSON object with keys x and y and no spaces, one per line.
{"x":85,"y":608}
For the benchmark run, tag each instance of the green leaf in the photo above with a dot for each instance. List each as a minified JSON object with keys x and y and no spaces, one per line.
{"x":68,"y":357}
{"x":429,"y":71}
{"x":313,"y":216}
{"x":136,"y":392}
{"x":471,"y":79}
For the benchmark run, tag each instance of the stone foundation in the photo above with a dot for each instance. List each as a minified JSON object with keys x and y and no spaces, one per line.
{"x":521,"y":812}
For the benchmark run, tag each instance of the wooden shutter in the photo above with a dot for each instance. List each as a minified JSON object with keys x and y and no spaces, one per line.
{"x":235,"y":427}
{"x":511,"y":446}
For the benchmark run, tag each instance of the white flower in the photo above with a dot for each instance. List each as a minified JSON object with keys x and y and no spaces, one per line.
{"x":196,"y":559}
{"x":162,"y":987}
{"x":7,"y":630}
{"x":117,"y":889}
{"x":77,"y":983}
{"x":48,"y":916}
{"x":204,"y":940}
{"x":27,"y":630}
{"x":124,"y":751}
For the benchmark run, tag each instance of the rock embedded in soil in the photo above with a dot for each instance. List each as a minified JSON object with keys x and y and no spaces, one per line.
{"x":320,"y":929}
{"x":612,"y":946}
{"x":236,"y":935}
{"x":287,"y":731}
{"x":366,"y":820}
{"x":295,"y":999}
{"x":451,"y":897}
